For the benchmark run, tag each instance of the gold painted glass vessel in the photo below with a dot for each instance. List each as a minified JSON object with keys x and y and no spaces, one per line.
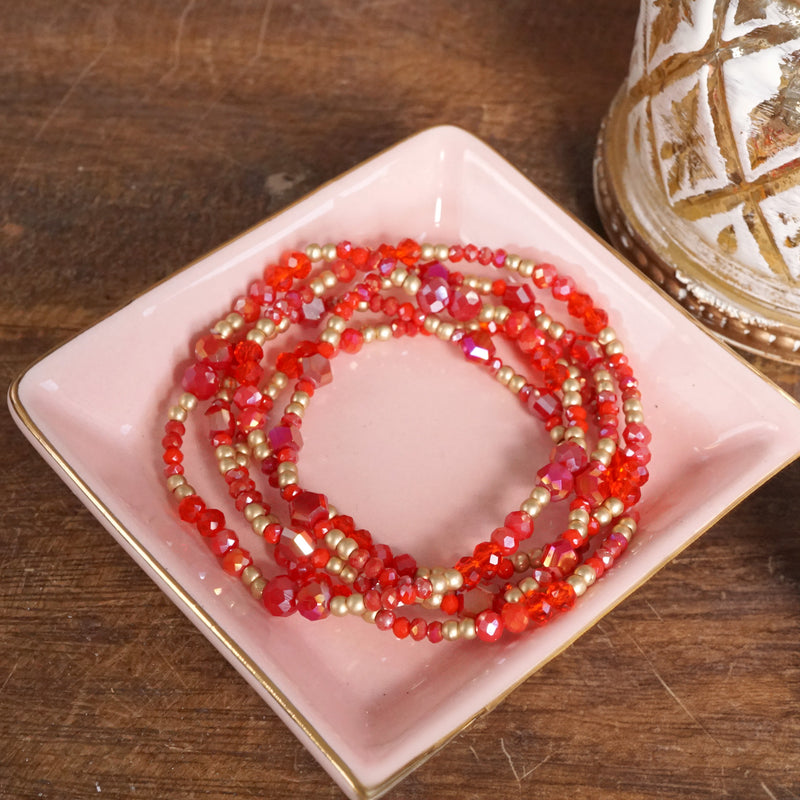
{"x":697,"y":174}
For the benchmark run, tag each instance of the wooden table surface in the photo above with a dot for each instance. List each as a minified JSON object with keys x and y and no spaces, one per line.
{"x":134,"y":137}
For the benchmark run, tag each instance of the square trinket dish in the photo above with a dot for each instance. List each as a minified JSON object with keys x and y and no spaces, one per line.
{"x":430,"y":456}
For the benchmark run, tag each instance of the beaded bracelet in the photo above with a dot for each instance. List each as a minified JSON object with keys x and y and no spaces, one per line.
{"x":332,"y":567}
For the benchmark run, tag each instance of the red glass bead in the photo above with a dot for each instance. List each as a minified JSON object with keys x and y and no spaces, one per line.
{"x":222,"y":541}
{"x":557,"y":479}
{"x":434,"y":295}
{"x":314,"y":598}
{"x":571,"y":455}
{"x":505,"y":539}
{"x":281,"y":437}
{"x":280,"y":596}
{"x":235,"y":561}
{"x":173,"y":426}
{"x":636,"y":432}
{"x":191,"y":507}
{"x":418,"y":629}
{"x":591,"y":483}
{"x":384,"y":619}
{"x":209,"y":521}
{"x":465,"y":304}
{"x":172,"y":455}
{"x":515,"y":617}
{"x":544,"y":405}
{"x":289,"y":364}
{"x":488,"y":626}
{"x":401,"y":627}
{"x":317,"y":369}
{"x":451,"y":604}
{"x":543,"y":275}
{"x":248,"y":397}
{"x":540,"y":610}
{"x":214,"y":351}
{"x":520,"y":524}
{"x":405,"y":564}
{"x":560,"y":556}
{"x":561,"y":595}
{"x":434,"y":632}
{"x":307,"y":509}
{"x":518,"y":296}
{"x":200,"y":380}
{"x":478,"y":346}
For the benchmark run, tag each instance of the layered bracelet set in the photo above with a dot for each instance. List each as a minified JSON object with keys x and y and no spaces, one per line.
{"x":254,"y":375}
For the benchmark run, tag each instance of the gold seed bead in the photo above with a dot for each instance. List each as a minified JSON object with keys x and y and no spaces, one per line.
{"x":272,"y":391}
{"x":623,"y":530}
{"x":580,"y":515}
{"x":188,"y":401}
{"x":531,"y":508}
{"x":512,"y":262}
{"x":241,"y":447}
{"x":471,"y":281}
{"x":224,"y":451}
{"x":516,"y":383}
{"x":423,"y":572}
{"x":574,"y":432}
{"x":236,"y":321}
{"x":504,"y":375}
{"x":578,"y":584}
{"x":383,"y":332}
{"x":540,"y":495}
{"x":334,"y":565}
{"x":513,"y":595}
{"x":226,"y":465}
{"x":279,"y":379}
{"x":427,"y":251}
{"x":332,"y":511}
{"x":445,"y":331}
{"x":183,"y":491}
{"x":333,"y":537}
{"x":630,"y":522}
{"x":602,"y":515}
{"x":606,"y":335}
{"x":314,"y":251}
{"x":398,"y":276}
{"x":609,"y":445}
{"x":528,"y":586}
{"x":177,"y":413}
{"x":369,"y":334}
{"x":241,"y":459}
{"x":615,"y":506}
{"x":257,"y":587}
{"x":605,"y":386}
{"x":614,"y":348}
{"x":433,"y":601}
{"x":634,"y":417}
{"x":472,"y":325}
{"x":557,"y":433}
{"x":260,"y":524}
{"x":267,"y":327}
{"x":255,"y":335}
{"x":438,"y":582}
{"x":256,"y":437}
{"x":355,"y":604}
{"x":253,"y":510}
{"x":249,"y":574}
{"x":174,"y":481}
{"x":431,"y":323}
{"x":486,"y":314}
{"x":543,"y":322}
{"x":571,"y":399}
{"x":348,"y":574}
{"x":441,"y":252}
{"x":571,"y":385}
{"x":466,"y":628}
{"x":501,"y":314}
{"x":603,"y":456}
{"x":286,"y":466}
{"x":631,"y":404}
{"x":336,"y":323}
{"x":303,"y":398}
{"x":369,"y":616}
{"x":412,"y":284}
{"x":223,"y":329}
{"x":329,"y":280}
{"x":346,"y":547}
{"x":330,"y":336}
{"x":580,"y":527}
{"x":450,"y":630}
{"x":520,"y":561}
{"x":603,"y":375}
{"x":455,"y":580}
{"x":363,"y":305}
{"x":386,"y":284}
{"x":485,"y":286}
{"x":317,"y":287}
{"x":587,"y":573}
{"x":295,"y":408}
{"x":556,"y":330}
{"x":287,"y":479}
{"x":339,"y":605}
{"x":329,"y":252}
{"x":525,"y":267}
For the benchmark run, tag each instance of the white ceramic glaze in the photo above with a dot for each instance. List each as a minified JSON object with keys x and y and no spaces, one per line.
{"x":430,"y":458}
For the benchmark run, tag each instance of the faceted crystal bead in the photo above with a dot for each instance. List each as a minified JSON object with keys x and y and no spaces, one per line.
{"x":317,"y":369}
{"x":247,"y":397}
{"x":505,"y":539}
{"x":518,"y":296}
{"x":489,"y":626}
{"x":307,"y":509}
{"x":560,"y":556}
{"x":282,"y":436}
{"x":314,"y":597}
{"x":520,"y":523}
{"x":544,"y":405}
{"x":515,"y":617}
{"x":434,"y":295}
{"x":591,"y":484}
{"x":214,"y":351}
{"x":280,"y":596}
{"x":465,"y":304}
{"x":561,"y":595}
{"x":222,"y":541}
{"x":200,"y":380}
{"x":478,"y":346}
{"x":557,"y":479}
{"x":571,"y":455}
{"x":586,"y":352}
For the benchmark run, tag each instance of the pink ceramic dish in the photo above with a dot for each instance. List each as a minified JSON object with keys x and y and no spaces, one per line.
{"x":434,"y":455}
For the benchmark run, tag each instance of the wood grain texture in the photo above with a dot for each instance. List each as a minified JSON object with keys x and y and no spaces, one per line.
{"x":135,"y":137}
